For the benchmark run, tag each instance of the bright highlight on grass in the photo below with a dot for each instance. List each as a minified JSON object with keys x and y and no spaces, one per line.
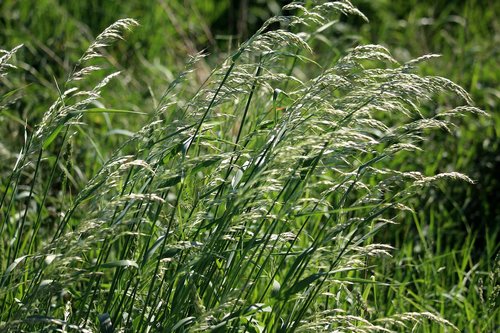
{"x":251,"y":205}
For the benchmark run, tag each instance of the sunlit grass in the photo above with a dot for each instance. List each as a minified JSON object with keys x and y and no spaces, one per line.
{"x":254,"y":203}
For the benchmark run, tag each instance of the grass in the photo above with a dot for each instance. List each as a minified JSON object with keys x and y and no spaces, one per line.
{"x":264,"y":199}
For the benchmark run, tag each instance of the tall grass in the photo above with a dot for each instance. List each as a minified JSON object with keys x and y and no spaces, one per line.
{"x":250,"y":205}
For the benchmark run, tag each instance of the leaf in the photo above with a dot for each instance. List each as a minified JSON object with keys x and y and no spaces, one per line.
{"x":102,"y":110}
{"x":13,"y":265}
{"x":182,"y":322}
{"x":206,"y":163}
{"x":176,"y":149}
{"x":52,"y":137}
{"x":7,"y":114}
{"x":186,"y":144}
{"x":266,"y":124}
{"x":171,"y":181}
{"x":12,"y":92}
{"x":304,"y":283}
{"x":153,"y":248}
{"x":236,"y":179}
{"x":169,"y":253}
{"x":50,"y":258}
{"x":120,"y":263}
{"x":275,"y":291}
{"x":258,"y":307}
{"x":120,"y":132}
{"x":276,"y":93}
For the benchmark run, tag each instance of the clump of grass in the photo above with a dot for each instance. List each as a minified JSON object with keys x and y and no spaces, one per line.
{"x":251,"y":205}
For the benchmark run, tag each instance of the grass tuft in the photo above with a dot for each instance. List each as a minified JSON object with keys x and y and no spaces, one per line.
{"x":252,"y":204}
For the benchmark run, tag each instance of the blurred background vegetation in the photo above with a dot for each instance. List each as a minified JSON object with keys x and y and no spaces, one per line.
{"x":456,"y":224}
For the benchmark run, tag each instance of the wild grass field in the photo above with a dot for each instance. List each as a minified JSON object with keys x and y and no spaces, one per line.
{"x":249,"y":166}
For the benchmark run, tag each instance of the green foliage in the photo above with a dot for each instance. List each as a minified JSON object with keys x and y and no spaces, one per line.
{"x":261,"y":198}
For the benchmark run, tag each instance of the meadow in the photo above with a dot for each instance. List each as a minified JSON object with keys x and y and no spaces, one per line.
{"x":252,"y":166}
